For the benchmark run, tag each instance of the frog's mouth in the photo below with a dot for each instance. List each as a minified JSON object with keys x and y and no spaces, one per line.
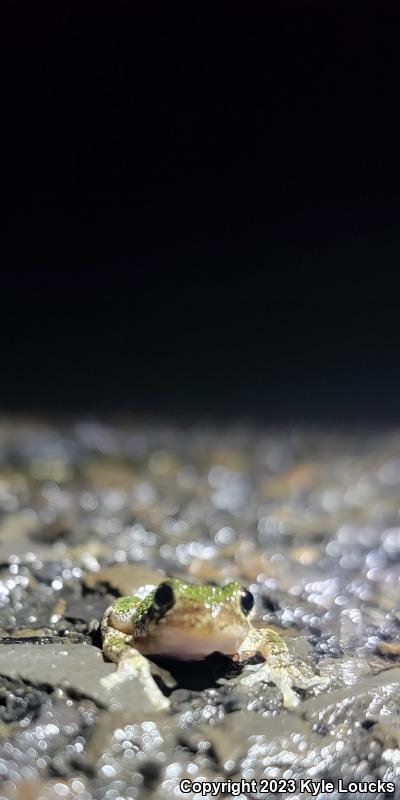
{"x":191,"y":644}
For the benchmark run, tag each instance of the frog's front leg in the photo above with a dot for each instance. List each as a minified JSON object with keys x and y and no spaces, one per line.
{"x":130,"y":664}
{"x":277,"y":667}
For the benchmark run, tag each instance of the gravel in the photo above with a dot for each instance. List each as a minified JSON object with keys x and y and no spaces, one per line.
{"x":308,"y":519}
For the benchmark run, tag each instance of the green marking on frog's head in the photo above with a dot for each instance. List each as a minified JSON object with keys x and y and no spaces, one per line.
{"x":125,"y":604}
{"x":205,"y":595}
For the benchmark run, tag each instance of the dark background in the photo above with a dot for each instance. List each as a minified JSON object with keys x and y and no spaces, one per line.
{"x":201,"y":210}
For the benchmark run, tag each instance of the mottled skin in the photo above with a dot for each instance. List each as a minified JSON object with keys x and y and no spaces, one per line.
{"x":197,"y":621}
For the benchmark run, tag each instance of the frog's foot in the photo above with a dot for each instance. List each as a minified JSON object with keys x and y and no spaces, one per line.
{"x":304,"y":678}
{"x":134,"y":666}
{"x":278,"y":676}
{"x":285,"y":677}
{"x":277,"y":668}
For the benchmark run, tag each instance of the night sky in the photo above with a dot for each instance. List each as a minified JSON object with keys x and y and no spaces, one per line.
{"x":201,"y":210}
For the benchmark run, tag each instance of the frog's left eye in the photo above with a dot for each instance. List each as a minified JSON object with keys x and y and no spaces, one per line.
{"x":246,"y":601}
{"x":164,"y":597}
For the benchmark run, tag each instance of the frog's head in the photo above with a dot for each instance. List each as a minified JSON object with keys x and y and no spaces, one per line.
{"x":186,"y":621}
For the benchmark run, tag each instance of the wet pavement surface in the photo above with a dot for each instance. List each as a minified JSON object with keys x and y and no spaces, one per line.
{"x":308,"y":519}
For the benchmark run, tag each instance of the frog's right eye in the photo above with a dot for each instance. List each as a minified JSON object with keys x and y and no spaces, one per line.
{"x":246,"y":601}
{"x":164,"y":597}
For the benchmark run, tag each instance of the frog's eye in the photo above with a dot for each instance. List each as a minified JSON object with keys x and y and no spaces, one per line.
{"x":164,"y":597}
{"x":246,"y":601}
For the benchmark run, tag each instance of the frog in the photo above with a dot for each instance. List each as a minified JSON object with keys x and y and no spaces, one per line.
{"x":188,"y":622}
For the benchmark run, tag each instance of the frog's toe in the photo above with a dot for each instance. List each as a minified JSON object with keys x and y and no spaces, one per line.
{"x":317,"y":680}
{"x":279,"y":677}
{"x":304,"y":678}
{"x":111,"y":681}
{"x":137,"y":668}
